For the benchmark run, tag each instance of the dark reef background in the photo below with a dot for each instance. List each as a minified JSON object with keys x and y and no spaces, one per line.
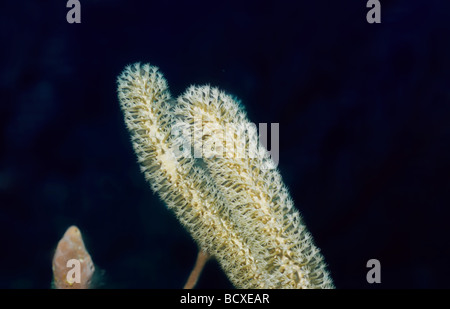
{"x":364,"y":112}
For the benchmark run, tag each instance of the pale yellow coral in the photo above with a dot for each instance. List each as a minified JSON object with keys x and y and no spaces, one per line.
{"x":259,"y":202}
{"x":233,"y":203}
{"x":185,"y":188}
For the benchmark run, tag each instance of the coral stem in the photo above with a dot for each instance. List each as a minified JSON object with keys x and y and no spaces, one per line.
{"x":202,"y":258}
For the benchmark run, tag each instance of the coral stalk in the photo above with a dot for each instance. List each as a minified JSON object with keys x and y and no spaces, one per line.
{"x":202,"y":258}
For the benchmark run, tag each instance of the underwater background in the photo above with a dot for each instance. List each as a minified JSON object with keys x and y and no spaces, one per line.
{"x":363,"y":111}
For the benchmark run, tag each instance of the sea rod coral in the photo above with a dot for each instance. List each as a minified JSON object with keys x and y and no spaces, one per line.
{"x":236,"y":208}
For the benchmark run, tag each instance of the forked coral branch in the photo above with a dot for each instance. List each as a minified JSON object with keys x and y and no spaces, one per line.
{"x":236,"y":208}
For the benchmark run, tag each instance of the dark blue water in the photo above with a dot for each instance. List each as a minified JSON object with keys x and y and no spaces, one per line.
{"x":363,"y":110}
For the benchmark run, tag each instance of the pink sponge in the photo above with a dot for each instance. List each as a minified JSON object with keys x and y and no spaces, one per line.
{"x":72,"y":265}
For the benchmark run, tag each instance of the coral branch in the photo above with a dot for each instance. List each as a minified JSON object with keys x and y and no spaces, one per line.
{"x":185,"y":188}
{"x":257,"y":196}
{"x":234,"y":204}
